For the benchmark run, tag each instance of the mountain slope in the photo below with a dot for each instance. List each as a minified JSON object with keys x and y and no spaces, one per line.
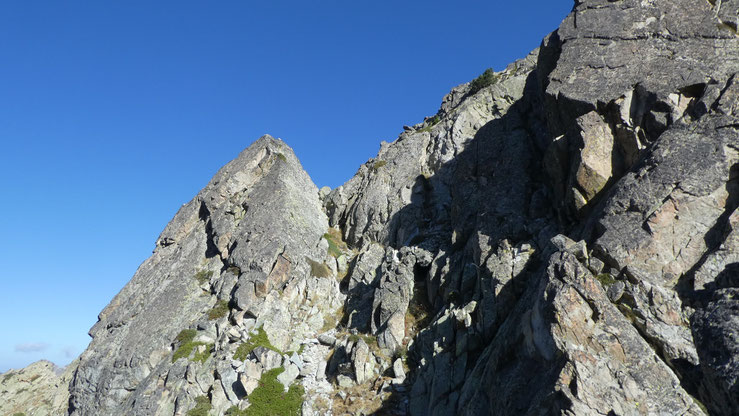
{"x":558,"y":239}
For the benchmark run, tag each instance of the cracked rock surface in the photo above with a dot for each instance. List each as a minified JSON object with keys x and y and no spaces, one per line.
{"x":560,"y":240}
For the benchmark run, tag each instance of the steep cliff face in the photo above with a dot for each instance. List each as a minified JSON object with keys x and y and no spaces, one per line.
{"x":559,"y":238}
{"x":216,"y":271}
{"x":619,"y":133}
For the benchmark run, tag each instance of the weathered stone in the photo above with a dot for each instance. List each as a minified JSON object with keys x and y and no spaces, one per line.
{"x":596,"y":161}
{"x":615,"y":291}
{"x":228,"y":378}
{"x":344,"y":381}
{"x":41,"y":387}
{"x":326,"y":339}
{"x":248,"y":384}
{"x":398,"y":370}
{"x":716,"y":331}
{"x":362,"y":362}
{"x":267,"y":358}
{"x":289,"y":375}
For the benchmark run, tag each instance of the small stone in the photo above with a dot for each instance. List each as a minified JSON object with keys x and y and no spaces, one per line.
{"x":398,"y":369}
{"x":321,"y":370}
{"x":344,"y":381}
{"x":327,"y":340}
{"x":562,"y":242}
{"x":289,"y":375}
{"x":233,"y":333}
{"x":580,"y":250}
{"x":615,"y":291}
{"x":596,"y":265}
{"x":252,"y":369}
{"x":295,"y":359}
{"x":248,"y":384}
{"x":268,"y":358}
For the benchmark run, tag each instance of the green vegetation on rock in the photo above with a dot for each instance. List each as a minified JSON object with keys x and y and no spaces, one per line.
{"x":335,"y":244}
{"x":203,"y":276}
{"x":259,"y":339}
{"x":219,"y":310}
{"x":270,"y":398}
{"x":330,"y":321}
{"x":378,"y":165}
{"x":488,"y":78}
{"x":187,"y":346}
{"x":605,"y":279}
{"x":202,"y":407}
{"x":319,"y":269}
{"x":234,"y":411}
{"x":368,"y":339}
{"x":431,"y":123}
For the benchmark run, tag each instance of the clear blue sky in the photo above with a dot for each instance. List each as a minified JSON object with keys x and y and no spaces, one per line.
{"x":113,"y":114}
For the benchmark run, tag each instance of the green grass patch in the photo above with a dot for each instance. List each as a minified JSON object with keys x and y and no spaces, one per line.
{"x":332,"y":321}
{"x":333,"y":249}
{"x":203,"y":356}
{"x":336,"y":245}
{"x":259,"y":339}
{"x":488,"y":78}
{"x":19,"y":414}
{"x":281,"y":157}
{"x":378,"y":165}
{"x":270,"y":398}
{"x":202,"y":407}
{"x":368,"y":339}
{"x":203,"y":276}
{"x":430,"y":123}
{"x":219,"y":310}
{"x":186,"y":335}
{"x":234,"y":411}
{"x":319,"y":269}
{"x":187,"y":346}
{"x":605,"y":279}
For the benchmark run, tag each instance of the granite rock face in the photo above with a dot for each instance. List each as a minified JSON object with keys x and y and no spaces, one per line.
{"x":233,"y":261}
{"x":559,"y":239}
{"x":40,"y":389}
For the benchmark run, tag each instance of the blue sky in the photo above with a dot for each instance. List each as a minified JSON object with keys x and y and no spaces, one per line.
{"x":113,"y":114}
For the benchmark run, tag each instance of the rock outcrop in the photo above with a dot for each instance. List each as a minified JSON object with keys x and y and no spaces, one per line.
{"x":42,"y":388}
{"x":560,"y":238}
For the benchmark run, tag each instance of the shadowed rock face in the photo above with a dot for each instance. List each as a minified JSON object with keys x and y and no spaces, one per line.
{"x":560,"y":241}
{"x":621,"y":132}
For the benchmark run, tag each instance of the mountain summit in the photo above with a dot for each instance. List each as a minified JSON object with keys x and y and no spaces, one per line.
{"x":560,"y":238}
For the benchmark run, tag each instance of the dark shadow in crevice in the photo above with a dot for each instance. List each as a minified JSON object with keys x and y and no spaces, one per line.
{"x":485,"y":191}
{"x":204,"y":215}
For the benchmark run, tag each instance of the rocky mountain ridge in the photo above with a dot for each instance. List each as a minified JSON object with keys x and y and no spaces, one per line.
{"x":558,"y":238}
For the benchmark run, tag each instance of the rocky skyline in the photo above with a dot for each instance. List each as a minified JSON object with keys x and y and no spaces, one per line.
{"x":559,"y":238}
{"x":126,"y":112}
